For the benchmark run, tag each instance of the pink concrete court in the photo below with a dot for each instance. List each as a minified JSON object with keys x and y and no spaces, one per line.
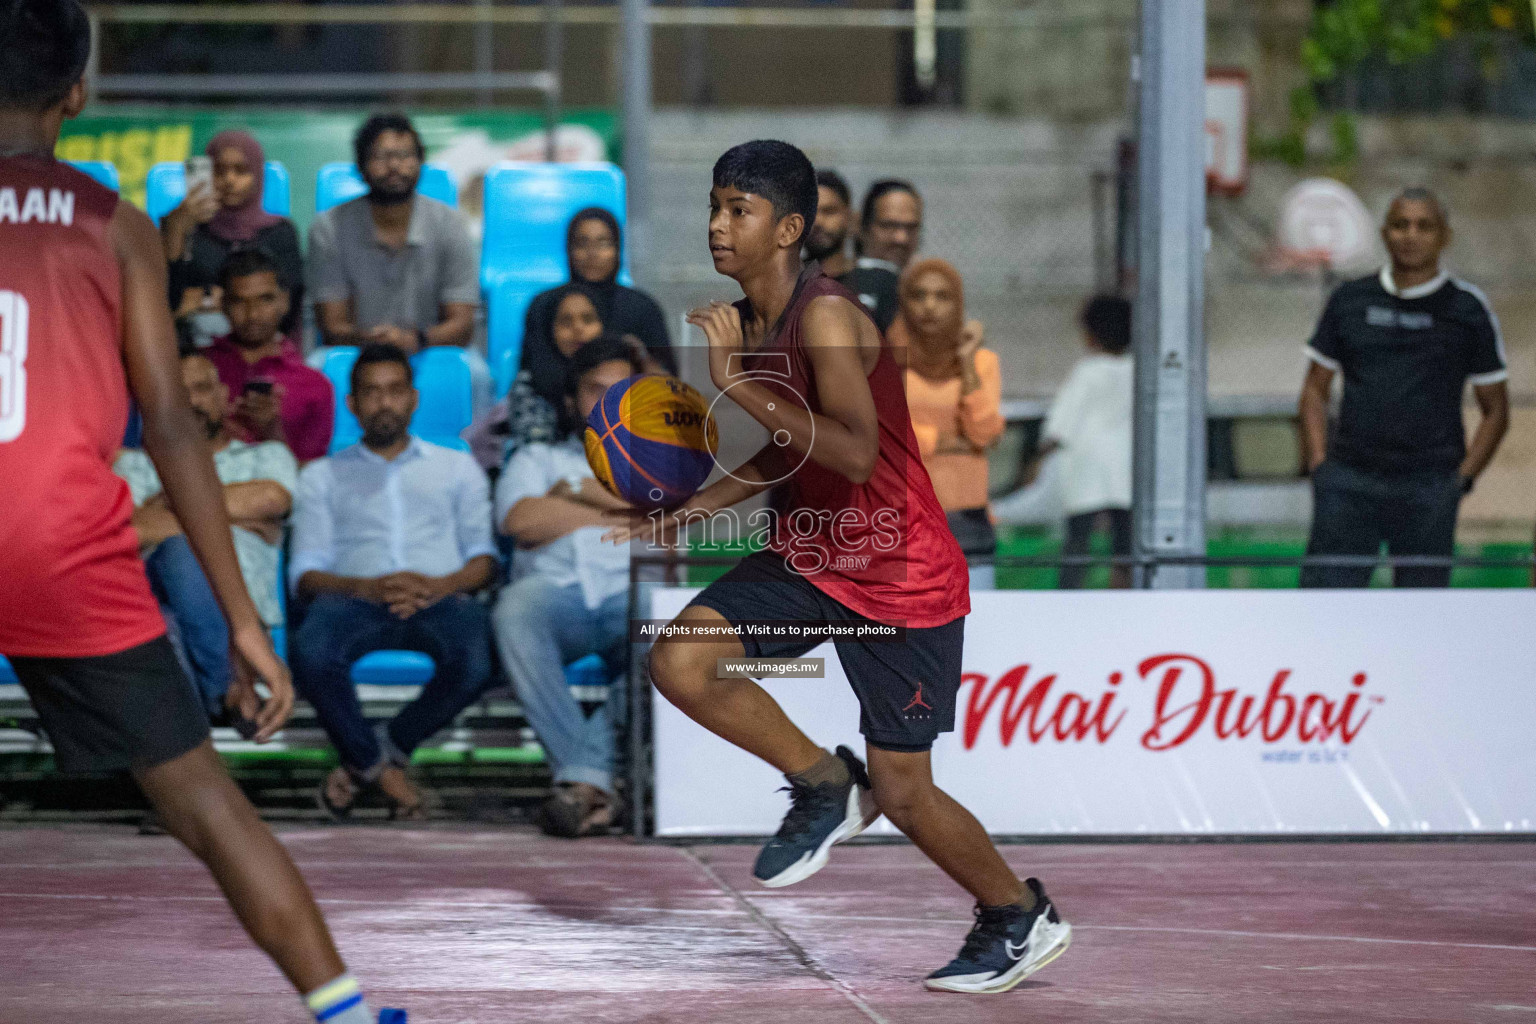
{"x":494,"y":926}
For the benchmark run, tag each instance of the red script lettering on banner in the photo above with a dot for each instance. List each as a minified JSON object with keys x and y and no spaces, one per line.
{"x":1186,"y":700}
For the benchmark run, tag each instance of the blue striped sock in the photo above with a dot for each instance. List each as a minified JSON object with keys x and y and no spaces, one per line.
{"x":339,"y":1002}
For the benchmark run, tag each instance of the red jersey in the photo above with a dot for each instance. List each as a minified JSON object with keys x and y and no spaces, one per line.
{"x":72,"y":584}
{"x":883,"y":547}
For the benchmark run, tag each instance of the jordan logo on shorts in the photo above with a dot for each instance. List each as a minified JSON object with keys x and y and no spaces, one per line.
{"x":917,"y":701}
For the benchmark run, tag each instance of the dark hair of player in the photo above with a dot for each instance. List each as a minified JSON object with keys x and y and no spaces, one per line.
{"x":377,"y":125}
{"x":245,"y":263}
{"x":1107,"y":319}
{"x":828,"y":178}
{"x":777,"y":171}
{"x":883,"y":187}
{"x":376,"y":353}
{"x":44,"y":46}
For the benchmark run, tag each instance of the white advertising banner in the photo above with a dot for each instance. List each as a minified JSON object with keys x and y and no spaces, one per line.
{"x":1218,"y":712}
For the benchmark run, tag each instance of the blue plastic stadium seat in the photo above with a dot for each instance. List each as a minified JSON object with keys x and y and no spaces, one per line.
{"x":528,"y":207}
{"x":446,"y":407}
{"x":339,"y":182}
{"x":166,"y":187}
{"x":442,"y":379}
{"x":587,"y":671}
{"x":7,"y":674}
{"x":506,"y":313}
{"x":393,"y":668}
{"x":103,"y":171}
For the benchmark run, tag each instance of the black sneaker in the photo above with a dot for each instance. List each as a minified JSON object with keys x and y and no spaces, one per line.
{"x":1006,"y":945}
{"x":819,"y":818}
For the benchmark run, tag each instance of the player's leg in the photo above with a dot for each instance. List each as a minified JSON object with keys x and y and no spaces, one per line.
{"x":137,"y":711}
{"x":200,"y":805}
{"x":829,"y":793}
{"x":947,"y":833}
{"x":907,"y":693}
{"x":1017,"y":929}
{"x":736,"y":709}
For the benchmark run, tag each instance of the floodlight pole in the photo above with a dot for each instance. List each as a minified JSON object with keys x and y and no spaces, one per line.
{"x":637,"y":126}
{"x":1170,"y":441}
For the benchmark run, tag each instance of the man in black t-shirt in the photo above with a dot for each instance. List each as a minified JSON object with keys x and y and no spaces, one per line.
{"x":890,"y":228}
{"x":1407,"y":340}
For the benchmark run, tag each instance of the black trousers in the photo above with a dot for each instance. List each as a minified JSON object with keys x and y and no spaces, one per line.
{"x":1080,"y":532}
{"x":1355,"y":511}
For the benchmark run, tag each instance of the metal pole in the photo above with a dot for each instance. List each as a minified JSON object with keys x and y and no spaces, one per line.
{"x":1170,"y":303}
{"x":637,"y":126}
{"x":485,"y":50}
{"x":554,"y":53}
{"x":93,"y":61}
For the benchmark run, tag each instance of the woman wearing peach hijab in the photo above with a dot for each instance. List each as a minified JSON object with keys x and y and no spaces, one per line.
{"x":954,"y":391}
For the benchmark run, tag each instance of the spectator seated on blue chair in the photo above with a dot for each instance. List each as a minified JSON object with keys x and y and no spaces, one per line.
{"x":391,"y":538}
{"x":213,"y":221}
{"x":394,"y":266}
{"x":568,"y":598}
{"x":546,"y":224}
{"x":339,"y":183}
{"x":443,"y":380}
{"x":259,"y":481}
{"x":104,"y":172}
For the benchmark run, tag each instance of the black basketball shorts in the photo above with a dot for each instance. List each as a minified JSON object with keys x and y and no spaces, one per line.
{"x":119,"y":712}
{"x":906,"y":688}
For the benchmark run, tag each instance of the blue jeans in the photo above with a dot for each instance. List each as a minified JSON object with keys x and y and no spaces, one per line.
{"x":455,"y":633}
{"x":540,"y":628}
{"x":196,"y":622}
{"x":1355,"y":511}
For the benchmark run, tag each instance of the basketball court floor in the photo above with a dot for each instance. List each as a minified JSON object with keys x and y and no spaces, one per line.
{"x":500,"y":926}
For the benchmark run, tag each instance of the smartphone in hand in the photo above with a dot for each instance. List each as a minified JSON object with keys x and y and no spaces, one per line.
{"x":199,"y":171}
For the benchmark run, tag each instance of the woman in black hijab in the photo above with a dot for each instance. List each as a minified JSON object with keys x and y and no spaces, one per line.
{"x":593,"y":244}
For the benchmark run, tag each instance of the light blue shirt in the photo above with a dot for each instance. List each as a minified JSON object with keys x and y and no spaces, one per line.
{"x":581,"y":558}
{"x":235,"y":463}
{"x":358,"y":514}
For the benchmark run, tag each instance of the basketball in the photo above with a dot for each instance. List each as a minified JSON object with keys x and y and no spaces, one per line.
{"x":651,"y":441}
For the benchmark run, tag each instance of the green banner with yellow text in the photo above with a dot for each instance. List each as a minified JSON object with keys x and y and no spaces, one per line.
{"x":467,"y":143}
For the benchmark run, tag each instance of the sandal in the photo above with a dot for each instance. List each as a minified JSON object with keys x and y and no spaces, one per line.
{"x":337,"y":809}
{"x":401,"y":807}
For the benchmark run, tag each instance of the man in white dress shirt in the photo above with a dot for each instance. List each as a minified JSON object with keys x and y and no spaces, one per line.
{"x":391,"y":538}
{"x":569,"y":596}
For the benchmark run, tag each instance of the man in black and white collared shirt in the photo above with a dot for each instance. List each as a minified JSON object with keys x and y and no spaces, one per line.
{"x":1407,"y":340}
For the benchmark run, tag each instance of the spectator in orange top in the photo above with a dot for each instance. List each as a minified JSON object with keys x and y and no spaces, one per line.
{"x":954,"y":390}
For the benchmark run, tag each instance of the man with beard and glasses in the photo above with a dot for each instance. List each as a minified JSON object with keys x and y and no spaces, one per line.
{"x":394,"y":266}
{"x":391,"y":540}
{"x":828,"y":241}
{"x":890,"y":229}
{"x":258,"y":481}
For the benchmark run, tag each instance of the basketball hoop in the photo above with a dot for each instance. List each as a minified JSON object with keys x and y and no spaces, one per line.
{"x":1226,"y":131}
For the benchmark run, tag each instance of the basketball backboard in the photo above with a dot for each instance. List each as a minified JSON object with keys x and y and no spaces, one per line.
{"x":1226,"y":131}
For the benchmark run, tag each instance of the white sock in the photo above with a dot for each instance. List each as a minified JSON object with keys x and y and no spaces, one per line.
{"x":339,"y":1002}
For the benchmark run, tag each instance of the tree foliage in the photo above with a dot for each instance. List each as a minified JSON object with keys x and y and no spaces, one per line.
{"x":1346,"y":33}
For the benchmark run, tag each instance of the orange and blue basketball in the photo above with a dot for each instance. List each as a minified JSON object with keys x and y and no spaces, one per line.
{"x":651,"y":441}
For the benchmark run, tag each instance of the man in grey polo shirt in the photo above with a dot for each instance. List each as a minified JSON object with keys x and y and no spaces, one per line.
{"x":394,"y":266}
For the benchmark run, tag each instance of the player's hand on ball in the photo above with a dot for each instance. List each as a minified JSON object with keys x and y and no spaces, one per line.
{"x":721,"y":324}
{"x":254,"y":659}
{"x":659,"y":528}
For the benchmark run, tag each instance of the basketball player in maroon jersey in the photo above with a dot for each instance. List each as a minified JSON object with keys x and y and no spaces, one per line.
{"x":84,"y":321}
{"x":861,"y":540}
